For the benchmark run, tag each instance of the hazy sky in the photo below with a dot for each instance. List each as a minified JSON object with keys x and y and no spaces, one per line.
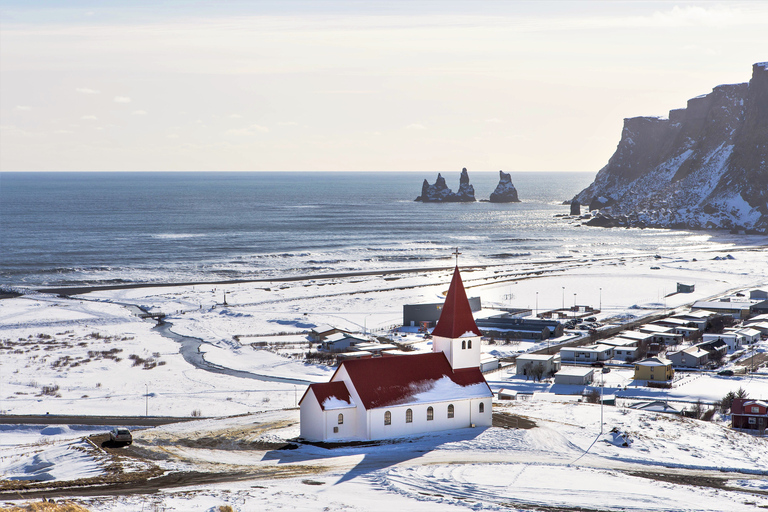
{"x":431,"y":86}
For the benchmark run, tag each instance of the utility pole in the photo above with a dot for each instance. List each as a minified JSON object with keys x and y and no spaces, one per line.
{"x":562,"y":307}
{"x":601,"y":300}
{"x":146,"y":401}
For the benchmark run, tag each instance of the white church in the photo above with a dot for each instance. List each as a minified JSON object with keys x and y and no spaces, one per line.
{"x":394,"y":396}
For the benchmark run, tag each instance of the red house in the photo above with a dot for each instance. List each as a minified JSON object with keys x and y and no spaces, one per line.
{"x":749,"y":414}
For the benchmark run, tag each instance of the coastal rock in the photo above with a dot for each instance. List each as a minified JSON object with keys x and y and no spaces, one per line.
{"x":505,"y":191}
{"x":440,"y":193}
{"x":575,"y":207}
{"x":703,"y":167}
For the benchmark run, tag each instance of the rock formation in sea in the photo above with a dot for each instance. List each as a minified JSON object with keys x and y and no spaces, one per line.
{"x":575,"y":207}
{"x":505,"y":191}
{"x":440,"y":193}
{"x":703,"y":167}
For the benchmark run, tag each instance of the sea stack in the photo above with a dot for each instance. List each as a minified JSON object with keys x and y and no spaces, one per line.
{"x":575,"y":207}
{"x":505,"y":191}
{"x":440,"y":193}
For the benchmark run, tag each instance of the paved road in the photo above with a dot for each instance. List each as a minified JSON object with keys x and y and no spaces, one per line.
{"x":112,"y":421}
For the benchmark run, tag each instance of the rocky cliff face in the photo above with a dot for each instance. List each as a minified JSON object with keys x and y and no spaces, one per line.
{"x":440,"y":193}
{"x":706,"y":166}
{"x":505,"y":191}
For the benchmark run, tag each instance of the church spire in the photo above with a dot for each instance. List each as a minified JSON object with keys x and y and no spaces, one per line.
{"x":456,"y":317}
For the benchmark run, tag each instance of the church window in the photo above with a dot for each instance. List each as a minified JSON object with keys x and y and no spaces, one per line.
{"x":387,"y":418}
{"x":482,"y":407}
{"x":430,"y":414}
{"x":408,"y":416}
{"x":341,"y":419}
{"x":463,"y":344}
{"x":450,"y":411}
{"x":469,"y":343}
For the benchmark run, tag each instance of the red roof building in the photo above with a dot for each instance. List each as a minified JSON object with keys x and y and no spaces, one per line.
{"x":749,"y":414}
{"x":387,"y":397}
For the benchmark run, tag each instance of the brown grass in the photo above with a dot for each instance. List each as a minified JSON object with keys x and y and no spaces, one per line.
{"x":46,"y":506}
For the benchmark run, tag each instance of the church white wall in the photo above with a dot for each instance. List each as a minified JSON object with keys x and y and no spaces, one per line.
{"x":360,"y":414}
{"x":346,"y":430}
{"x":466,"y":412}
{"x":459,"y":357}
{"x":311,"y":418}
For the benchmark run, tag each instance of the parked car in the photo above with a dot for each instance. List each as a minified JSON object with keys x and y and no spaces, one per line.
{"x":590,"y":319}
{"x":120,"y":435}
{"x":726,"y":373}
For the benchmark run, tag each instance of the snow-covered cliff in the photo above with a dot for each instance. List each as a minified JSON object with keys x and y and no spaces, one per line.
{"x":706,"y":166}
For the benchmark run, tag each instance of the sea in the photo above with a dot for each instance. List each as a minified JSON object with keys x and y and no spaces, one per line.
{"x":106,"y":228}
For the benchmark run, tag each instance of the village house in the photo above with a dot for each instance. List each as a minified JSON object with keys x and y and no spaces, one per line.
{"x":716,"y":349}
{"x":575,"y":375}
{"x":525,"y":363}
{"x":697,"y":318}
{"x":340,"y":342}
{"x":749,"y":334}
{"x":386,"y":397}
{"x":732,"y":339}
{"x":736,"y":309}
{"x":587,"y":353}
{"x":654,"y":369}
{"x":749,"y":414}
{"x":691,"y":357}
{"x":662,"y":335}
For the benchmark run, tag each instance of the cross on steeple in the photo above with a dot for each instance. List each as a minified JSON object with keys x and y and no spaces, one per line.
{"x":456,"y":253}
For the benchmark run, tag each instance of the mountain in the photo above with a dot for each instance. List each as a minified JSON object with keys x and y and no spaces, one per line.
{"x":703,"y":167}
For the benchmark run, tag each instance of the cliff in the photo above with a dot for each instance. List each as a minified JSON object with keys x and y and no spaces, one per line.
{"x":703,"y":167}
{"x":440,"y":193}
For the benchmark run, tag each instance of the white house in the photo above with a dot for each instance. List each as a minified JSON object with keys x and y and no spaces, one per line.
{"x":691,"y":357}
{"x":395,"y":396}
{"x":587,"y":354}
{"x":575,"y":375}
{"x":525,"y":362}
{"x":750,"y":335}
{"x":732,"y":339}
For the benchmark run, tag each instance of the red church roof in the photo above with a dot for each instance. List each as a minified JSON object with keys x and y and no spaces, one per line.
{"x":385,"y":381}
{"x":456,"y":317}
{"x":326,"y":390}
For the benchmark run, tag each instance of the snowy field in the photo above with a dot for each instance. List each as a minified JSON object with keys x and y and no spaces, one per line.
{"x":92,"y":356}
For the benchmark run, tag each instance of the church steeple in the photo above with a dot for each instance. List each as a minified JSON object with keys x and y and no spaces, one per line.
{"x":456,"y":333}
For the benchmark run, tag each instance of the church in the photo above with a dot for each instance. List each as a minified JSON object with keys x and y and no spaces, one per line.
{"x":396,"y":396}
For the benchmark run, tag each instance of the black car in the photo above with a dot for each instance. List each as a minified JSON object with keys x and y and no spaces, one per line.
{"x":726,"y":373}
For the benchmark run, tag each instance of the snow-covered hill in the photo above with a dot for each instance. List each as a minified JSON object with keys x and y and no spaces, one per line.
{"x":703,"y":167}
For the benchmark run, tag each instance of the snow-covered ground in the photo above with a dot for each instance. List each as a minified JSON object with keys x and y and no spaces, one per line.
{"x":92,"y":356}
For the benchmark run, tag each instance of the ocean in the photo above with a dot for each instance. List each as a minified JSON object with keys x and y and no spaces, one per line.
{"x":61,"y":229}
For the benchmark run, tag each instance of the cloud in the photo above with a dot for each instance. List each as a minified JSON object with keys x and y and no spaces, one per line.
{"x":139,"y":113}
{"x":288,"y":123}
{"x":494,"y":120}
{"x":23,"y":107}
{"x":63,"y":131}
{"x":89,"y":118}
{"x":254,"y":129}
{"x":122,"y":99}
{"x":172,"y":136}
{"x":234,"y":116}
{"x":86,"y":90}
{"x":415,"y":126}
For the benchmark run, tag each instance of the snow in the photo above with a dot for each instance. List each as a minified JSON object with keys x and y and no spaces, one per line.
{"x":445,"y":389}
{"x":49,"y":341}
{"x":333,"y":402}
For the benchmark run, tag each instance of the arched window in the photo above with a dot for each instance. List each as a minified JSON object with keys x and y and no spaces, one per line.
{"x":387,"y":418}
{"x":430,"y":413}
{"x":408,"y":416}
{"x":469,"y":343}
{"x":341,"y":419}
{"x":482,"y":407}
{"x":463,"y":344}
{"x":450,"y":411}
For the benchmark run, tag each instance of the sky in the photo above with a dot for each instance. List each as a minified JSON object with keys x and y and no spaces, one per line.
{"x":353,"y":86}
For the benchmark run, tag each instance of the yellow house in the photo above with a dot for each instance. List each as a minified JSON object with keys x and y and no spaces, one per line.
{"x":654,"y":368}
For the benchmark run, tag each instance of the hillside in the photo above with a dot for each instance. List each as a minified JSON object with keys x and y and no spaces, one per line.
{"x":703,"y":167}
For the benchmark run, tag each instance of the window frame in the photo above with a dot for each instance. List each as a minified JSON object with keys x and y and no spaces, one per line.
{"x":387,"y":418}
{"x":430,"y":413}
{"x":451,"y":411}
{"x":409,"y":415}
{"x":340,"y":419}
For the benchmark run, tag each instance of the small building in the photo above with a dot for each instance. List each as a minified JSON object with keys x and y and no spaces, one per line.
{"x":625,"y":354}
{"x":716,"y":349}
{"x":488,"y":363}
{"x":509,"y":327}
{"x":320,"y":332}
{"x":587,"y":354}
{"x":732,"y":339}
{"x":750,"y":335}
{"x":374,"y":348}
{"x":697,"y":319}
{"x":749,"y":414}
{"x":655,"y":406}
{"x":738,"y":310}
{"x":685,"y":288}
{"x":761,"y":308}
{"x":429,"y":314}
{"x":654,"y":369}
{"x":507,"y":394}
{"x":691,"y":357}
{"x":758,"y":295}
{"x":340,"y":342}
{"x":639,"y":337}
{"x":526,"y":362}
{"x":575,"y":375}
{"x":759,"y":326}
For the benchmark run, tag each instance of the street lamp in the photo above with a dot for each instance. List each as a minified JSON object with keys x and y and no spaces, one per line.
{"x":537,"y":304}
